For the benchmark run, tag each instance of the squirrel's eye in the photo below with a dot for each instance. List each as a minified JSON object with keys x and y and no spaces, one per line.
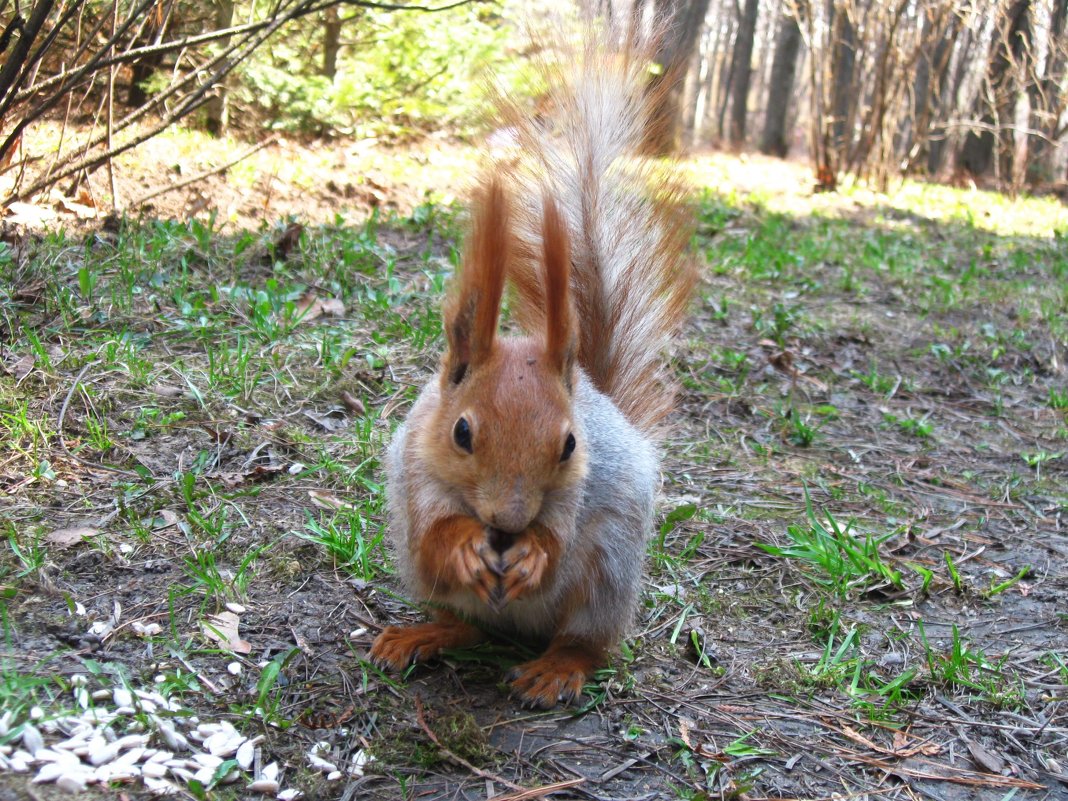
{"x":569,"y":448}
{"x":461,"y":434}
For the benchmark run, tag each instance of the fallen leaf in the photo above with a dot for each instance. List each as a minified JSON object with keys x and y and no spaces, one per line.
{"x":66,"y":537}
{"x":29,"y":214}
{"x":324,"y":500}
{"x":988,"y":761}
{"x":289,"y":239}
{"x":331,"y":420}
{"x":223,"y":629}
{"x":166,"y":519}
{"x":311,"y":307}
{"x":165,"y":390}
{"x":23,"y":367}
{"x":354,"y":403}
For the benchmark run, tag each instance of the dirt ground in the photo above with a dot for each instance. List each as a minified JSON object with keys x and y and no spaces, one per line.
{"x":746,"y":677}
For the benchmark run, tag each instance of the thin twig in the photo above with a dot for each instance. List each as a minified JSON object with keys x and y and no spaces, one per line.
{"x":202,"y":175}
{"x":539,"y":792}
{"x":459,"y":760}
{"x":63,"y":440}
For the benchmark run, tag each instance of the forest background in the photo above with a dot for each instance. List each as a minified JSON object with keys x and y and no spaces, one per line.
{"x":951,"y":89}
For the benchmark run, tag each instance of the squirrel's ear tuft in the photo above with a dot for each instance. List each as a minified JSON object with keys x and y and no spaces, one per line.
{"x":560,"y":335}
{"x":474,"y":303}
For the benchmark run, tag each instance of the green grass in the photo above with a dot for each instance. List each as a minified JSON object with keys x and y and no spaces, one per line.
{"x":833,"y":556}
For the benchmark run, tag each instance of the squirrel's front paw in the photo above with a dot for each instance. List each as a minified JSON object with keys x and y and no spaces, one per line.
{"x":558,"y":675}
{"x":475,"y":567}
{"x":523,"y":569}
{"x":399,"y":646}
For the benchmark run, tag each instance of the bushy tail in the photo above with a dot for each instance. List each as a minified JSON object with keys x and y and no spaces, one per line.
{"x":631,"y":276}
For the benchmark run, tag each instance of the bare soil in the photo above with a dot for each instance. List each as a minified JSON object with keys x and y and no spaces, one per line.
{"x":718,"y":695}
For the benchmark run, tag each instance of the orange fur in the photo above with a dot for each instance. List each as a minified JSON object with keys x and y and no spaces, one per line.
{"x":397,"y":647}
{"x":559,"y":325}
{"x":522,"y":486}
{"x":558,"y":674}
{"x":471,"y":311}
{"x":453,"y":553}
{"x":629,"y":300}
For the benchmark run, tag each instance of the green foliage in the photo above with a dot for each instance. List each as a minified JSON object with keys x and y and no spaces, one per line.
{"x":399,"y":73}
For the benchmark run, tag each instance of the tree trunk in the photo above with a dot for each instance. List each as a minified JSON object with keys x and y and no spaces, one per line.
{"x":962,"y":41}
{"x":995,"y":105}
{"x":331,"y":41}
{"x":743,"y":48}
{"x":684,"y":20}
{"x":217,"y":108}
{"x":726,"y":78}
{"x":781,"y":85}
{"x":1047,"y":104}
{"x":845,"y":45}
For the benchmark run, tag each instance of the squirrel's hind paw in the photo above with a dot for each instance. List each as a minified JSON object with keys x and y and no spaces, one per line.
{"x":558,"y":675}
{"x":399,"y":646}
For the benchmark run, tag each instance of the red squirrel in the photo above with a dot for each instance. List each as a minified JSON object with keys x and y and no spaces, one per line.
{"x":521,"y":487}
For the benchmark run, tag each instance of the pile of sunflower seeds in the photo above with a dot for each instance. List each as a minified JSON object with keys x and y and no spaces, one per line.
{"x":124,"y":736}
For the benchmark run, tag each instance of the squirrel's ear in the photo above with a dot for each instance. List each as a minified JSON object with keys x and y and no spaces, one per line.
{"x":560,"y":338}
{"x":475,"y":301}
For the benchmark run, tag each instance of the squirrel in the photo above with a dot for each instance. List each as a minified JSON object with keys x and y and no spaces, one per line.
{"x":521,"y":487}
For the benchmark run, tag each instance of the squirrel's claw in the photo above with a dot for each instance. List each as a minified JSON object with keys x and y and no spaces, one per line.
{"x":475,"y":566}
{"x":543,"y":686}
{"x":557,"y":675}
{"x":399,"y":646}
{"x":524,"y":571}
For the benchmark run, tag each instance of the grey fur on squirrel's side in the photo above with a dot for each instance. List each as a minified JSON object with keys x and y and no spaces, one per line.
{"x":611,"y":510}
